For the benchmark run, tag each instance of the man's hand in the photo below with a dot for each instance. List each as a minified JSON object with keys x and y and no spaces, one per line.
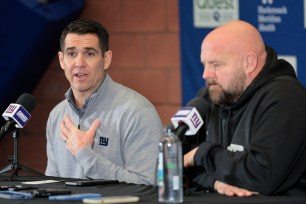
{"x":230,"y":190}
{"x":188,"y":158}
{"x":76,"y":139}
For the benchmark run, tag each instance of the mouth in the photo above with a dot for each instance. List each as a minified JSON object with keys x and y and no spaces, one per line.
{"x":213,"y":85}
{"x":210,"y":83}
{"x":80,"y":75}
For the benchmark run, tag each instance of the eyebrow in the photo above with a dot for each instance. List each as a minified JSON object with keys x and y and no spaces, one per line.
{"x":69,"y":48}
{"x":212,"y":61}
{"x":86,"y":48}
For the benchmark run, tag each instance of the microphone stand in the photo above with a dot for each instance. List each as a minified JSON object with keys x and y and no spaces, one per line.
{"x":14,"y":160}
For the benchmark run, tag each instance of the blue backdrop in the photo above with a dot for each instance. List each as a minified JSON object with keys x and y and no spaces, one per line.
{"x":281,"y":23}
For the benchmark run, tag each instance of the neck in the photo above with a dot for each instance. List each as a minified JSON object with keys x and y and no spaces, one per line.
{"x":80,"y":97}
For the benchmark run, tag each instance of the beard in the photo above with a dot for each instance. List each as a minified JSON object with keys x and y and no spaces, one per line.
{"x":220,"y":96}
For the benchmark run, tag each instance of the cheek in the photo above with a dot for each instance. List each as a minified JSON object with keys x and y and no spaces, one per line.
{"x":66,"y":65}
{"x":224,"y":79}
{"x":68,"y":74}
{"x":68,"y":71}
{"x":98,"y":71}
{"x":99,"y":67}
{"x":69,"y":63}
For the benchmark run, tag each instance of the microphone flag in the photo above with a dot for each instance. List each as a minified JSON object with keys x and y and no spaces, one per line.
{"x":18,"y":113}
{"x":189,"y":116}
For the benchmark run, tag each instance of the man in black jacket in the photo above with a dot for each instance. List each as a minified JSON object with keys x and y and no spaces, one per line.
{"x":256,"y":129}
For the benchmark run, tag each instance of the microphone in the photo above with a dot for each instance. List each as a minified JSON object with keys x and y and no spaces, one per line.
{"x":188,"y":120}
{"x":17,"y":114}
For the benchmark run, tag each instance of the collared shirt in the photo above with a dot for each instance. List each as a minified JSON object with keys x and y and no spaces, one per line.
{"x":82,"y":110}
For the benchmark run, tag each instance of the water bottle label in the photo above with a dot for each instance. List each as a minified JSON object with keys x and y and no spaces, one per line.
{"x":171,"y":165}
{"x":160,"y":161}
{"x":160,"y":172}
{"x":176,"y":183}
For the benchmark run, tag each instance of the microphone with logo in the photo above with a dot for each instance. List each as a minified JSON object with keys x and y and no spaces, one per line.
{"x":188,"y":120}
{"x":171,"y":180}
{"x":17,"y":114}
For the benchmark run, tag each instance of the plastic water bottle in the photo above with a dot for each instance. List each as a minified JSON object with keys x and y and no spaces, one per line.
{"x":170,"y":169}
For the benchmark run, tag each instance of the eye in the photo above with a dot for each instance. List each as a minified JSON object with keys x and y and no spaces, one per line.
{"x":71,"y":53}
{"x":90,"y":53}
{"x":216,"y":65}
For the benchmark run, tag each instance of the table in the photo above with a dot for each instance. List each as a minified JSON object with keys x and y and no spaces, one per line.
{"x":147,"y":194}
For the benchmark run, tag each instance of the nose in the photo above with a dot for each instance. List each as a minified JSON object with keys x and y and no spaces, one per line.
{"x":208,"y":72}
{"x":79,"y":62}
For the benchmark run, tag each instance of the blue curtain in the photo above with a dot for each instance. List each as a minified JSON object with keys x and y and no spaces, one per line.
{"x":29,"y":40}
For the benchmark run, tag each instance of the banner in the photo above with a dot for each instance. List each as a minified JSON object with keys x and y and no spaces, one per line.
{"x":281,"y":23}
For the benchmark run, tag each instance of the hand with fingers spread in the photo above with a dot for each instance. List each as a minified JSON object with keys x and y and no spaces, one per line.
{"x":229,"y":190}
{"x":77,"y":139}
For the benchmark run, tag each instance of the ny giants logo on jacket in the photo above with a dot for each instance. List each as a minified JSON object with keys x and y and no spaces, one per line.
{"x":103,"y":141}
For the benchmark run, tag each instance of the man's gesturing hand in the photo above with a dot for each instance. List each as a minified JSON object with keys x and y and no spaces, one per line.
{"x":76,"y":139}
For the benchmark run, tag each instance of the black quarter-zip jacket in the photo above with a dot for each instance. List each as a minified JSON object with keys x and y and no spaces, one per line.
{"x":258,"y":143}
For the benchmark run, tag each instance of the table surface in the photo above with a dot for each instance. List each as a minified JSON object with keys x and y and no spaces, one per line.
{"x":147,"y":194}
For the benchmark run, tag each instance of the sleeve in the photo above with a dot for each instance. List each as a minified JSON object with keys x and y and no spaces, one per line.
{"x":51,"y":169}
{"x":275,"y":159}
{"x":141,"y":130}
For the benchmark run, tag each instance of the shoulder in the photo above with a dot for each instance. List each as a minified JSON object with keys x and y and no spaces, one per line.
{"x":130,"y":97}
{"x":285,"y":87}
{"x":281,"y":95}
{"x":59,"y":109}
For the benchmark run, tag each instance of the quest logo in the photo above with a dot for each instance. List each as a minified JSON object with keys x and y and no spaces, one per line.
{"x":214,"y":13}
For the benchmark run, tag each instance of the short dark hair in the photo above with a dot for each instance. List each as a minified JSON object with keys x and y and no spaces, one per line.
{"x":86,"y":26}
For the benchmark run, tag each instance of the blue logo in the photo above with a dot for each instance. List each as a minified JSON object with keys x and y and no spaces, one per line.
{"x":195,"y":120}
{"x":103,"y":141}
{"x":216,"y":16}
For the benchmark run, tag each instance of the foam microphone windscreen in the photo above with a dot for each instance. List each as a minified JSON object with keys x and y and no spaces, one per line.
{"x":27,"y":101}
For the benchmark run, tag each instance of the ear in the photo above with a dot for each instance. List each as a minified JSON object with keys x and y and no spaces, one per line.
{"x":61,"y":59}
{"x":251,"y":62}
{"x":107,"y":59}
